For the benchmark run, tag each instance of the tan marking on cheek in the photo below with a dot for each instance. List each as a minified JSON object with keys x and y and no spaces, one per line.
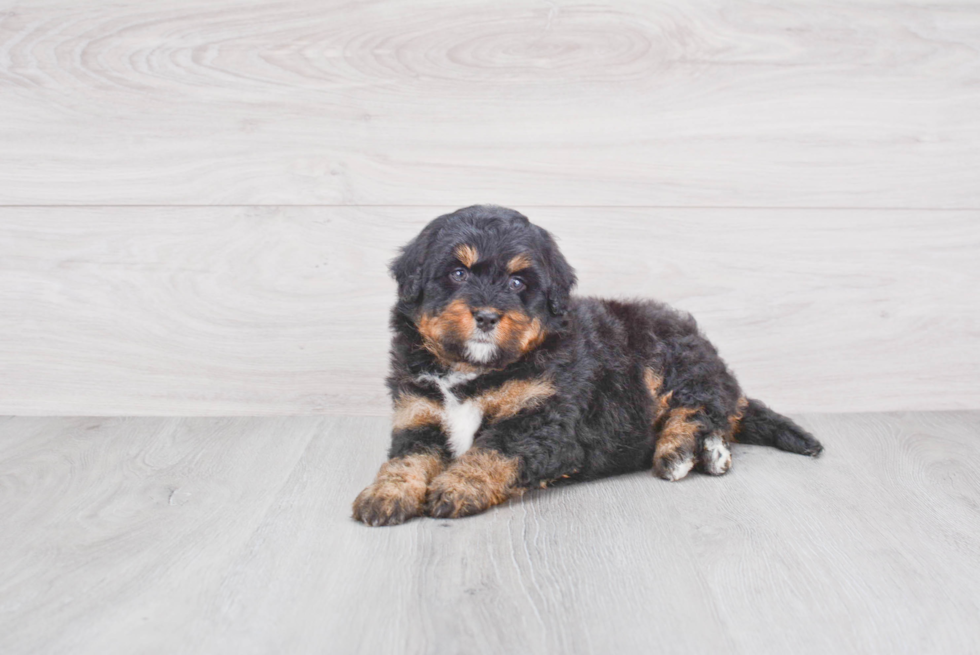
{"x":532,"y":337}
{"x":518,"y":263}
{"x":429,"y":327}
{"x":519,"y":331}
{"x":456,"y":320}
{"x":466,"y":254}
{"x":513,"y":396}
{"x":478,"y":480}
{"x":431,"y":330}
{"x":412,"y":411}
{"x":510,"y":327}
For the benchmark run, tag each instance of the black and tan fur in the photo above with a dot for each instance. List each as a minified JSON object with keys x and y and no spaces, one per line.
{"x":503,"y":382}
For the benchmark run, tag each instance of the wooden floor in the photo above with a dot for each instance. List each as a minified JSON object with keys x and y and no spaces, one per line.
{"x":233,"y":535}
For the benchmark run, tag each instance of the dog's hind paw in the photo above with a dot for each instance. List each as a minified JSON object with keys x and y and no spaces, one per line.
{"x":715,"y":458}
{"x":673,"y":465}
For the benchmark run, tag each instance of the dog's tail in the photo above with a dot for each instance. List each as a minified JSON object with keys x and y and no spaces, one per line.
{"x":761,"y":426}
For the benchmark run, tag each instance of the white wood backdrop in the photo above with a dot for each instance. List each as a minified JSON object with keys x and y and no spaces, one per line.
{"x":197,"y":201}
{"x":678,"y":102}
{"x":284,"y":310}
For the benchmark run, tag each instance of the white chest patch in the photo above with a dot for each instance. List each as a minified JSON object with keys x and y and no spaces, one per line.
{"x":461,"y":419}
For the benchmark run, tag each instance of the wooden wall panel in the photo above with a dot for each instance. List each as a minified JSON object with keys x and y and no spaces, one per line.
{"x":265,"y":310}
{"x":437,"y":102}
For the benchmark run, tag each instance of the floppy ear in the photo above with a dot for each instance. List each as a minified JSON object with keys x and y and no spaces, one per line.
{"x":407,"y":269}
{"x":561,"y":276}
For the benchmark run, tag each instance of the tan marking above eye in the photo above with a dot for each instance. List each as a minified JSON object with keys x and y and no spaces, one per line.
{"x":518,"y":263}
{"x":466,"y":254}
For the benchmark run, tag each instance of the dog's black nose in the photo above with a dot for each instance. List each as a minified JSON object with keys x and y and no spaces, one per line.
{"x":486,"y":319}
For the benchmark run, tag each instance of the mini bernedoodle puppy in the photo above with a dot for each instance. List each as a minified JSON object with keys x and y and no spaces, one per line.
{"x":503,"y":382}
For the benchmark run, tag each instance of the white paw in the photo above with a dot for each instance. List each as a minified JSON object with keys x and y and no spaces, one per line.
{"x":672,"y":467}
{"x":716,"y":458}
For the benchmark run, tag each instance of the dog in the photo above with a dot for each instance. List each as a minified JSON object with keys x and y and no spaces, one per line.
{"x":503,"y":382}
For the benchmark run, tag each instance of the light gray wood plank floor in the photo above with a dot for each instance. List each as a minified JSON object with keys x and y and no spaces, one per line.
{"x":194,"y":535}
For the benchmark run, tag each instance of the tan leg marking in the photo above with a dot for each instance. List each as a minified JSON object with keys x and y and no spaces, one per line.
{"x":413,"y":411}
{"x":513,"y":396}
{"x":467,"y":255}
{"x":478,"y":480}
{"x":673,"y":456}
{"x":735,"y":420}
{"x":661,"y":402}
{"x":653,"y":382}
{"x":398,"y":492}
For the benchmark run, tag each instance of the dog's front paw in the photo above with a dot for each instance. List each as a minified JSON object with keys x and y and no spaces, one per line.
{"x":398,"y":493}
{"x":384,"y":503}
{"x":715,"y":457}
{"x":477,"y":481}
{"x":451,"y":497}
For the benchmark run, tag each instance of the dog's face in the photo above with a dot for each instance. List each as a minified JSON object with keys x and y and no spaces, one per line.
{"x":482,"y":286}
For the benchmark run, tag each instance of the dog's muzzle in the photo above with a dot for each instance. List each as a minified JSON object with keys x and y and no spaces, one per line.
{"x":481,"y":347}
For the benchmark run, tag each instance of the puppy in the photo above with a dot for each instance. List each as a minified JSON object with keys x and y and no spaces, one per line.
{"x":502,"y":382}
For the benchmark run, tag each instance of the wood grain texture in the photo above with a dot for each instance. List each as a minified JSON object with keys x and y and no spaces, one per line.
{"x":234,"y":535}
{"x":211,"y":311}
{"x":681,"y":103}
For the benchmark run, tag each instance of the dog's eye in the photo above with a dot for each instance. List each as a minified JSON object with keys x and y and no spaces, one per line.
{"x":459,"y":274}
{"x":515,"y":284}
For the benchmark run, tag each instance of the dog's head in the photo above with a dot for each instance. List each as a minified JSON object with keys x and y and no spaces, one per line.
{"x":482,"y":286}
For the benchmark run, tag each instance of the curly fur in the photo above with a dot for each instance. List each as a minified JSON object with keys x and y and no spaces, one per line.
{"x":490,"y":350}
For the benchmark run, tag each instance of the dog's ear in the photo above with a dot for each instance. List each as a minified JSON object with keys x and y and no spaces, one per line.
{"x":561,"y":276}
{"x":407,"y":269}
